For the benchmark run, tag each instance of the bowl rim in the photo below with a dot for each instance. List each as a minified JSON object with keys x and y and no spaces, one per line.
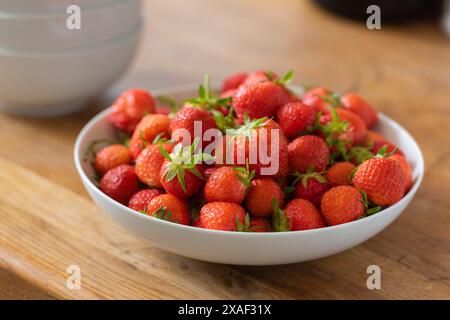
{"x":69,"y":52}
{"x":87,"y":181}
{"x":60,"y":11}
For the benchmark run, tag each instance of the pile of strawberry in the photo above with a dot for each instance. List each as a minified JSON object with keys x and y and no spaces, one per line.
{"x":332,"y":168}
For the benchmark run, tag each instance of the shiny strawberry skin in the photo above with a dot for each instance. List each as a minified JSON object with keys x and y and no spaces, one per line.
{"x":296,"y":117}
{"x":314,"y":98}
{"x":303,"y":215}
{"x":342,"y":204}
{"x":141,"y":199}
{"x":129,"y":108}
{"x":259,"y":225}
{"x":147,"y":130}
{"x":339,"y":174}
{"x":260,"y":100}
{"x":308,"y":151}
{"x":224,"y":185}
{"x":222,"y":216}
{"x":186,"y":118}
{"x":313,"y":192}
{"x":260,"y":196}
{"x":110,"y":157}
{"x":149,"y":163}
{"x":406,"y":167}
{"x":234,"y":81}
{"x":382,"y":179}
{"x":178,"y":208}
{"x":120,"y":183}
{"x":193,"y":183}
{"x":356,"y":104}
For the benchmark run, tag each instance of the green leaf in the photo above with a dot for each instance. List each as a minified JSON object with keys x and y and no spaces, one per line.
{"x":373,"y":210}
{"x":180,"y":175}
{"x":164,"y":153}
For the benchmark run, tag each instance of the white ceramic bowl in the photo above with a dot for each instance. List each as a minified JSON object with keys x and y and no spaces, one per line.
{"x":247,"y":248}
{"x":52,"y":84}
{"x":48,"y":32}
{"x":48,"y":6}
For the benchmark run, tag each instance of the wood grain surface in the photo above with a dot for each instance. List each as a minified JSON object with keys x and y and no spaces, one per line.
{"x":48,"y":221}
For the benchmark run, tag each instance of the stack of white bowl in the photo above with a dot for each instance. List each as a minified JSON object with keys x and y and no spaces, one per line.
{"x":47,"y":68}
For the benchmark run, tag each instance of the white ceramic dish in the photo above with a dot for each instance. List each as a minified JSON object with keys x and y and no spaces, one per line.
{"x":49,"y":33}
{"x":45,"y":7}
{"x":247,"y":248}
{"x":53,"y":84}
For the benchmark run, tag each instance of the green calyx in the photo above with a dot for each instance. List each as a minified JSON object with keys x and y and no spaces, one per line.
{"x":280,"y":222}
{"x":205,"y":98}
{"x":284,"y":80}
{"x":360,"y":154}
{"x":243,"y":227}
{"x":247,"y":127}
{"x":333,"y":99}
{"x":244,"y":174}
{"x":160,"y":139}
{"x":369,"y":209}
{"x":303,"y":177}
{"x":382,"y":153}
{"x":332,"y":131}
{"x":182,"y":159}
{"x":224,"y":122}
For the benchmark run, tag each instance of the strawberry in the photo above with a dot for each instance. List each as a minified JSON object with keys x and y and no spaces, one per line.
{"x":339,"y":174}
{"x":342,"y":204}
{"x":170,"y":208}
{"x":197,"y":223}
{"x":296,"y":117}
{"x":298,"y":214}
{"x":227,"y":184}
{"x":406,"y":167}
{"x":382,"y":178}
{"x":120,"y":183}
{"x":356,"y":104}
{"x":260,"y":100}
{"x":110,"y":157}
{"x":234,"y":81}
{"x":321,"y":99}
{"x":259,"y":225}
{"x":141,"y":199}
{"x":308,"y":152}
{"x":259,"y":76}
{"x":149,"y":163}
{"x":130,"y":108}
{"x":182,"y":173}
{"x":222,"y":216}
{"x":152,"y":126}
{"x":376,"y":147}
{"x":356,"y":126}
{"x":186,"y":119}
{"x":310,"y":186}
{"x":373,"y":137}
{"x":260,"y":195}
{"x":256,"y":138}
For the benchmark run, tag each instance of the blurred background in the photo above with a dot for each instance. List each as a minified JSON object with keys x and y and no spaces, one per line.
{"x":402,"y":69}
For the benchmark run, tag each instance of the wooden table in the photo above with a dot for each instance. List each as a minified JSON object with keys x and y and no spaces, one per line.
{"x":48,"y":222}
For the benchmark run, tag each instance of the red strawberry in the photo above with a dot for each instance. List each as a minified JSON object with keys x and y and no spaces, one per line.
{"x":255,"y":138}
{"x":320,"y":98}
{"x":259,"y":198}
{"x":186,"y":118}
{"x":389,"y":147}
{"x":197,"y":223}
{"x":234,"y":81}
{"x":259,"y":225}
{"x":356,"y":126}
{"x":260,"y":100}
{"x":342,"y":204}
{"x":170,"y":208}
{"x":110,"y":157}
{"x":339,"y":174}
{"x":222,"y":216}
{"x":149,"y":163}
{"x":299,"y":214}
{"x":120,"y":183}
{"x":356,"y":104}
{"x":129,"y":108}
{"x":259,"y":76}
{"x":141,"y":199}
{"x":227,"y":184}
{"x":296,"y":117}
{"x":182,"y":173}
{"x":382,"y":179}
{"x":308,"y":152}
{"x":151,"y":126}
{"x":373,"y":137}
{"x":406,"y":167}
{"x":311,"y":186}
